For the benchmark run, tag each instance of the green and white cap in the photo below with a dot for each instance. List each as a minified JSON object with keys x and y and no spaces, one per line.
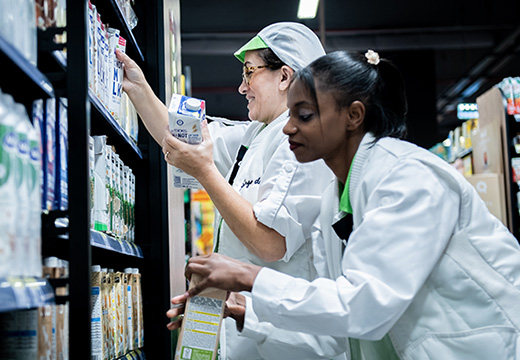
{"x":294,"y":44}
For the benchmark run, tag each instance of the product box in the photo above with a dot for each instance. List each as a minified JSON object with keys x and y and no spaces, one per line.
{"x":62,"y":155}
{"x":200,"y":331}
{"x":50,"y":155}
{"x":47,"y":332}
{"x":487,"y":149}
{"x":19,"y":338}
{"x":96,"y":324}
{"x":185,"y":117}
{"x":491,"y":189}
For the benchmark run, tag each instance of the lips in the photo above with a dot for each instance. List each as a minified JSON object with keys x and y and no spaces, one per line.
{"x":294,"y":145}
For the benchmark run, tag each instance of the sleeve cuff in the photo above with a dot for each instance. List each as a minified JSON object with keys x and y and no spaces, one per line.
{"x":251,"y":323}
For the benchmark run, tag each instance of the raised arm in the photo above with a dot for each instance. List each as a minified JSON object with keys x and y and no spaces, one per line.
{"x":150,"y":108}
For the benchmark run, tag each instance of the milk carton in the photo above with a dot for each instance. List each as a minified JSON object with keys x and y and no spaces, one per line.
{"x":8,"y":191}
{"x":185,"y":116}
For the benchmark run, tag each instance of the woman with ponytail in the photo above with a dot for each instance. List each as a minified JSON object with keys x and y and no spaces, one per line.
{"x":412,"y":264}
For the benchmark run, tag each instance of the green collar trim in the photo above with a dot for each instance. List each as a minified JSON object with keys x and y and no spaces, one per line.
{"x":344,"y":201}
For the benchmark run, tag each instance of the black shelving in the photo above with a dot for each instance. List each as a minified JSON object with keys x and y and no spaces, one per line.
{"x":19,"y":293}
{"x":112,"y":14}
{"x":104,"y":123}
{"x":22,"y":79}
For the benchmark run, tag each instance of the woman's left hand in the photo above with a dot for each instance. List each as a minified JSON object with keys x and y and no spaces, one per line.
{"x":195,"y":160}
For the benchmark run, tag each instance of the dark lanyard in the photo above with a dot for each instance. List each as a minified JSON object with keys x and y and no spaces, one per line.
{"x":238,"y":161}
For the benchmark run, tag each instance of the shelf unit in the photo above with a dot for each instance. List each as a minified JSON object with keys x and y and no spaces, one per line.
{"x":60,"y":76}
{"x":493,"y":110}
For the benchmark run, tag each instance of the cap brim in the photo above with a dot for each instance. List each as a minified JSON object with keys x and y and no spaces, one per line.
{"x":253,"y":44}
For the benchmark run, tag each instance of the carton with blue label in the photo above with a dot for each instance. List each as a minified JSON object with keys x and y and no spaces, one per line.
{"x":185,"y":117}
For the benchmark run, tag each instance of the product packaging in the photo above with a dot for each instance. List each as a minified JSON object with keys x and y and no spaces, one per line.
{"x":62,"y":151}
{"x":92,"y":15}
{"x":46,"y":333}
{"x":507,"y":89}
{"x":50,"y":154}
{"x":19,"y":340}
{"x":119,"y":344}
{"x":200,"y":330}
{"x":39,"y":127}
{"x":91,"y":166}
{"x":129,"y":309}
{"x":106,"y":321}
{"x":23,"y":246}
{"x":116,"y":42}
{"x":97,"y":335}
{"x":35,"y":219}
{"x":100,"y":60}
{"x":8,"y":195}
{"x":137,"y":314}
{"x":102,"y":175}
{"x":185,"y":117}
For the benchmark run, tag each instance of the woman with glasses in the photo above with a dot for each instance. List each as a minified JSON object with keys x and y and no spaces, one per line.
{"x":266,"y":200}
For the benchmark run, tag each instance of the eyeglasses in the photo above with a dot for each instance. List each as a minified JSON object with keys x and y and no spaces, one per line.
{"x":247,"y":72}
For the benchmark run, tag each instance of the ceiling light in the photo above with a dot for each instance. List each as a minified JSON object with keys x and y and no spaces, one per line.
{"x":308,"y":9}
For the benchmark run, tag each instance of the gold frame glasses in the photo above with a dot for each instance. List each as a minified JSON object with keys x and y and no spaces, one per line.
{"x":247,"y":72}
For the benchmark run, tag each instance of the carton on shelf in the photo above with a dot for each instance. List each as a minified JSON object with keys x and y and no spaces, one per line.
{"x":490,"y":187}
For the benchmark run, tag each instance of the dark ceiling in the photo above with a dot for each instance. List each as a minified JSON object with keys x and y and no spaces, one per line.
{"x":443,"y":47}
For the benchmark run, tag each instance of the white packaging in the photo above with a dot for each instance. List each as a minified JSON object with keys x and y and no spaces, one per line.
{"x":102,"y":174}
{"x":99,"y":57}
{"x":35,"y":220}
{"x":92,"y":13}
{"x":126,"y":201}
{"x":91,"y":166}
{"x":116,"y":42}
{"x":8,"y":200}
{"x":185,"y":117}
{"x":22,"y":187}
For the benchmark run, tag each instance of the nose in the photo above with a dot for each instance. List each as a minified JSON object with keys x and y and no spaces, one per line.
{"x":289,"y":128}
{"x":242,"y":87}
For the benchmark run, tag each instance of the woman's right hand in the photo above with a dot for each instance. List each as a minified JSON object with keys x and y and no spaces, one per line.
{"x":133,"y":80}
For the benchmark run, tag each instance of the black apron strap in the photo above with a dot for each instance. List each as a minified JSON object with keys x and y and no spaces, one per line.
{"x":343,"y":228}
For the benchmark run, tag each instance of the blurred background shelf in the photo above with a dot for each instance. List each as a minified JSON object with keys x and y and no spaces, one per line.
{"x":21,"y":78}
{"x":19,"y":293}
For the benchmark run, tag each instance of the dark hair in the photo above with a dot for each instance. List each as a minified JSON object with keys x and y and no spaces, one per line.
{"x":349,"y":77}
{"x":270,"y":58}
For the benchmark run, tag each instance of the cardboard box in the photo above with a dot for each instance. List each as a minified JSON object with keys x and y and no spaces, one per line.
{"x":487,"y":150}
{"x":491,"y":189}
{"x":200,"y":331}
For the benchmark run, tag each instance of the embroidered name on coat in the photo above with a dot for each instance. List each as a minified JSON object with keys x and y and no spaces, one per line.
{"x":248,"y":183}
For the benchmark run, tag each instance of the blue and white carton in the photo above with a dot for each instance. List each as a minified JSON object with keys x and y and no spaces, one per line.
{"x":185,"y":117}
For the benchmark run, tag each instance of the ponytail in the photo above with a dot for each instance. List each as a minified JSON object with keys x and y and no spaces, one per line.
{"x":348,"y":76}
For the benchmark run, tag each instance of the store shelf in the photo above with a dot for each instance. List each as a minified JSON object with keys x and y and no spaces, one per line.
{"x":21,"y":78}
{"x":133,"y":355}
{"x":104,"y":241}
{"x":112,"y":14}
{"x":18,"y":293}
{"x":109,"y":126}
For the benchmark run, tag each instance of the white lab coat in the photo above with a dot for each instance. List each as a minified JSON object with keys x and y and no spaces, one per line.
{"x":426,"y":264}
{"x":285,"y":196}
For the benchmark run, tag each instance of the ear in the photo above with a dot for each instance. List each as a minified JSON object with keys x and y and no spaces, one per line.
{"x":286,"y":77}
{"x":356,"y":115}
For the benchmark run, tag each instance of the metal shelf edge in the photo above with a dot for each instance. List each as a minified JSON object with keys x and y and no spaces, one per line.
{"x":24,"y":292}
